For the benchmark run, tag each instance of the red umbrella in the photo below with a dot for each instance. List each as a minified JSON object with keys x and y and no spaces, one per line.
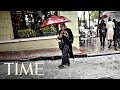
{"x":104,"y":16}
{"x":55,"y":20}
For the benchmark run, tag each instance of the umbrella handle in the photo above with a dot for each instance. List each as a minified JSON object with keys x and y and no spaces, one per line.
{"x":57,"y":39}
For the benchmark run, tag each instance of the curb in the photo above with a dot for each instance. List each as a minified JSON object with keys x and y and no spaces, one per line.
{"x":57,"y":57}
{"x":44,"y":58}
{"x":102,"y":54}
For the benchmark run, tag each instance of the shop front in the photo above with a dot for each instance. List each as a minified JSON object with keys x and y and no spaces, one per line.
{"x":20,"y":30}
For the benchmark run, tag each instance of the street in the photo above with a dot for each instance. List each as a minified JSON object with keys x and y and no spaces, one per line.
{"x":81,"y":68}
{"x":29,"y":47}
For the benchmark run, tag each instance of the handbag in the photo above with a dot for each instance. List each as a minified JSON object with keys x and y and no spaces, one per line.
{"x":103,"y":30}
{"x":60,"y":45}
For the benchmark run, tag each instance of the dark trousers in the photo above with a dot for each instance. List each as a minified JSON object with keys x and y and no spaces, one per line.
{"x":115,"y":41}
{"x":109,"y":43}
{"x":102,"y":39}
{"x":71,"y":51}
{"x":65,"y":55}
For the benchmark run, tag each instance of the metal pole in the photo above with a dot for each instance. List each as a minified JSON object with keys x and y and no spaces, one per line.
{"x":84,"y":15}
{"x":89,"y":19}
{"x":98,"y":23}
{"x":89,"y":26}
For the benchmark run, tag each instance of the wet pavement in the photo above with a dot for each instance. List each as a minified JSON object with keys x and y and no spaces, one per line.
{"x":34,"y":54}
{"x":101,"y":67}
{"x":94,"y":47}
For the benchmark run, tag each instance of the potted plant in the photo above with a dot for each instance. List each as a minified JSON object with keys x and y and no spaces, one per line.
{"x":26,"y":33}
{"x":49,"y":31}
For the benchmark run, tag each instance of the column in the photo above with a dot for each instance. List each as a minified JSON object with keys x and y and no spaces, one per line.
{"x":6,"y":29}
{"x":73,"y":25}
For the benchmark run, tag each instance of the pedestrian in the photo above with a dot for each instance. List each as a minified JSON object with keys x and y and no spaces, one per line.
{"x":110,"y":31}
{"x":102,"y":32}
{"x":118,"y":34}
{"x":65,"y":36}
{"x":115,"y":36}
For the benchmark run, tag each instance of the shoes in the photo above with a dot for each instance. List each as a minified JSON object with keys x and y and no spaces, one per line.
{"x":109,"y":46}
{"x":103,"y":45}
{"x":71,"y":56}
{"x":115,"y":49}
{"x":68,"y":64}
{"x":61,"y":66}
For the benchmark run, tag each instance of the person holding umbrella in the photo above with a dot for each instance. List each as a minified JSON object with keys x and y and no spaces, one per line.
{"x":66,"y":37}
{"x":102,"y":32}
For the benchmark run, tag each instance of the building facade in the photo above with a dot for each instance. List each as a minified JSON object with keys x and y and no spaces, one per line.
{"x":8,"y":43}
{"x":112,"y":15}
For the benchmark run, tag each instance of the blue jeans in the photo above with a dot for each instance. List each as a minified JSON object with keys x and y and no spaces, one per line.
{"x":65,"y":55}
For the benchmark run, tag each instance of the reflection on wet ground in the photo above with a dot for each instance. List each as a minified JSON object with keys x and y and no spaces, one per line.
{"x":94,"y":47}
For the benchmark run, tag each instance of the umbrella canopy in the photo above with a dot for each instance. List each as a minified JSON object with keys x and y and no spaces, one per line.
{"x":104,"y":16}
{"x":55,"y":20}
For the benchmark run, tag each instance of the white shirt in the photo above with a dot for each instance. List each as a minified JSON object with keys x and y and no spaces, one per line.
{"x":110,"y":24}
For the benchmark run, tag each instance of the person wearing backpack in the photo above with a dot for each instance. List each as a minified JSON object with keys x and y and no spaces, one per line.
{"x":102,"y":32}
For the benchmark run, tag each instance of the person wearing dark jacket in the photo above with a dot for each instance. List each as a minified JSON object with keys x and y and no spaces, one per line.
{"x":102,"y":32}
{"x":66,"y":37}
{"x":115,"y":36}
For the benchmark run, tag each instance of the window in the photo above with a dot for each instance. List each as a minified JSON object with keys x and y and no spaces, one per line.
{"x":27,"y":23}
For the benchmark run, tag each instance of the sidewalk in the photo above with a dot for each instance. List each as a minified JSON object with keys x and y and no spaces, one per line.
{"x":41,"y":54}
{"x":88,"y":50}
{"x":94,"y":48}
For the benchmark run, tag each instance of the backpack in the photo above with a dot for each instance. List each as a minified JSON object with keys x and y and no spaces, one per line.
{"x":103,"y":30}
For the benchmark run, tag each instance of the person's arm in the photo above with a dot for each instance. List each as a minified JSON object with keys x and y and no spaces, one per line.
{"x":99,"y":26}
{"x":71,"y":38}
{"x":59,"y":35}
{"x":113,"y":25}
{"x":107,"y":25}
{"x":105,"y":30}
